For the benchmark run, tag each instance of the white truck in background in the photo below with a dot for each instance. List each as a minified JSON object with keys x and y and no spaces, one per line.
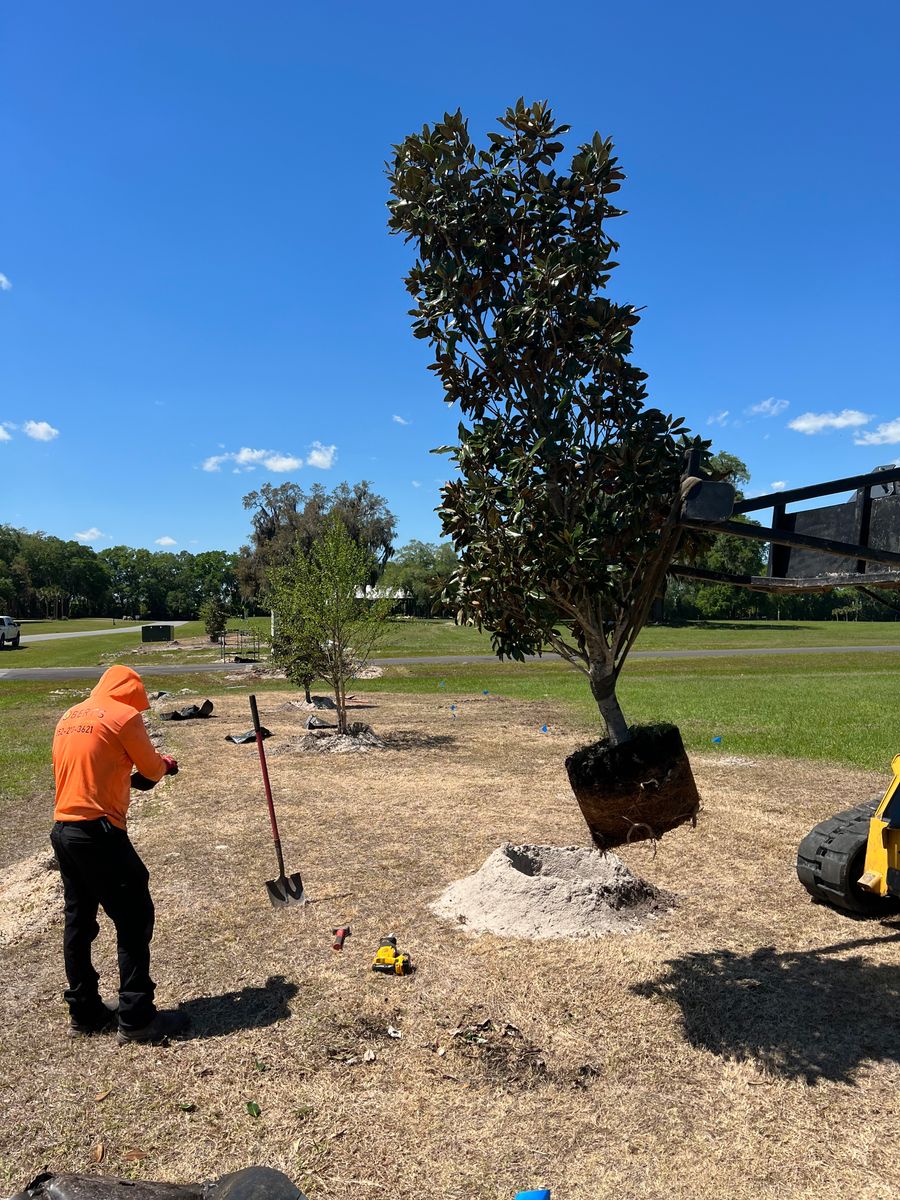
{"x":10,"y":632}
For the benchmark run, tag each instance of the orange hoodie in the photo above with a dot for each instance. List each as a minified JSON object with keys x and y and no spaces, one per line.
{"x":95,"y":745}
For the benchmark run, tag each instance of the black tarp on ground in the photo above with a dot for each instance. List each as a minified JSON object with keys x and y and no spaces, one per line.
{"x":190,"y":712}
{"x":252,"y":1183}
{"x":241,"y":739}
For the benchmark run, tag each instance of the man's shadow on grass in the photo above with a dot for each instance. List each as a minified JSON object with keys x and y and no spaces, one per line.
{"x":800,"y":1015}
{"x":738,"y":626}
{"x":250,"y":1008}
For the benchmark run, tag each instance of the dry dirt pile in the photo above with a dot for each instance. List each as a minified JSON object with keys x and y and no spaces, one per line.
{"x":30,"y":897}
{"x":550,"y":892}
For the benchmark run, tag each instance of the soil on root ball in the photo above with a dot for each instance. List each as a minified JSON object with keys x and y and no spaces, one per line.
{"x":637,"y":790}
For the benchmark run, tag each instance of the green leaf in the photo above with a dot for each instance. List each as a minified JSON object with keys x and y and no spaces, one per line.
{"x":253,"y":1109}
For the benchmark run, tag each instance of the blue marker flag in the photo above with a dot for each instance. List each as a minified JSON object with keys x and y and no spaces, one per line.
{"x":535,"y":1194}
{"x":544,"y":729}
{"x":716,"y":741}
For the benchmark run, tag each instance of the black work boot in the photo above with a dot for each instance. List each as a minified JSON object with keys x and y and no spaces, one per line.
{"x":163,"y":1026}
{"x":102,"y":1020}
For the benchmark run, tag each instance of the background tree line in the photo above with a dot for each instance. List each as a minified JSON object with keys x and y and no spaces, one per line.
{"x":42,"y":576}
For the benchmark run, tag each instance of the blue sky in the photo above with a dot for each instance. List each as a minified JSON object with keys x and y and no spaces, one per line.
{"x":194,"y":260}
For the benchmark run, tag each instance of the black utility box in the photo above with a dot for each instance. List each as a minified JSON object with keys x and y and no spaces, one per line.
{"x":157,"y":633}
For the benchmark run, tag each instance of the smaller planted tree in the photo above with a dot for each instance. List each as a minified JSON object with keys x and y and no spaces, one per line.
{"x":324,"y":624}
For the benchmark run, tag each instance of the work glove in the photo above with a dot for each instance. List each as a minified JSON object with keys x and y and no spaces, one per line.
{"x":171,"y":764}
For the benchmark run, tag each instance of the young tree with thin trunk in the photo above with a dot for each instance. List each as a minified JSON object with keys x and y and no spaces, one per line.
{"x":565,"y":511}
{"x":323,"y":623}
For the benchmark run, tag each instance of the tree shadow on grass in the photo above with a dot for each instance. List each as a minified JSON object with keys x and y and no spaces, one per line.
{"x":738,"y":626}
{"x":249,"y":1008}
{"x":801,"y":1015}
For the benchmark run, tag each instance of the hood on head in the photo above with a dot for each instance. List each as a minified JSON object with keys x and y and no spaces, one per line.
{"x":122,"y":684}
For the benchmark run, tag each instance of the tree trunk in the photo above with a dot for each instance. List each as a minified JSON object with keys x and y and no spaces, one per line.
{"x":340,"y":699}
{"x":603,"y":686}
{"x":306,"y":683}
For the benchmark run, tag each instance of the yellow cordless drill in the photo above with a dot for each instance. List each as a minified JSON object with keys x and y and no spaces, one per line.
{"x":389,"y":960}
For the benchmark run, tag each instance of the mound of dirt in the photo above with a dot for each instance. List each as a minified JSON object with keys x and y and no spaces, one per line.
{"x":359,"y":739}
{"x":30,"y":897}
{"x":550,"y":892}
{"x":369,"y":671}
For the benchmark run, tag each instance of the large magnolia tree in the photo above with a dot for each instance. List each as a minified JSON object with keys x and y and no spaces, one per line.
{"x":564,"y":514}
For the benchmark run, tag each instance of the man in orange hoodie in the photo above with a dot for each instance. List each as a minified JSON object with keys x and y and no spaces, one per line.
{"x":94,"y":748}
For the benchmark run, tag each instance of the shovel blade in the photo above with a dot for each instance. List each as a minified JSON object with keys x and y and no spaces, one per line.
{"x":287,"y":889}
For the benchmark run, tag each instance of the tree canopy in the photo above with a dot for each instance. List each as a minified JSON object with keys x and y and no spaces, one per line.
{"x":422,"y":570}
{"x":44,"y":576}
{"x":286,"y":517}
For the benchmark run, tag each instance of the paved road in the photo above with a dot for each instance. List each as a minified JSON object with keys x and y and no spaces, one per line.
{"x":444,"y":660}
{"x":52,"y":637}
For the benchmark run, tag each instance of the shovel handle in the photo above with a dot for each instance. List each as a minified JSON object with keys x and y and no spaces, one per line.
{"x":268,"y":787}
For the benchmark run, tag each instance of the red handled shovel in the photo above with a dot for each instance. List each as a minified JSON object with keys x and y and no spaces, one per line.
{"x":286,"y":889}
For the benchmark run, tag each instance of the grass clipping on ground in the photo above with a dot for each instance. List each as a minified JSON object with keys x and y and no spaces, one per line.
{"x":730,"y":1038}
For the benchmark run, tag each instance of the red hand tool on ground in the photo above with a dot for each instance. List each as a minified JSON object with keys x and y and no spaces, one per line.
{"x":286,"y":889}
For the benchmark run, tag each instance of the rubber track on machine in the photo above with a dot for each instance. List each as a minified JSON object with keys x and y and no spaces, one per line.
{"x":827,"y":852}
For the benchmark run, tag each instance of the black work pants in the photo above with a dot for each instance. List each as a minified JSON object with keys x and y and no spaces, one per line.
{"x":101,"y":868}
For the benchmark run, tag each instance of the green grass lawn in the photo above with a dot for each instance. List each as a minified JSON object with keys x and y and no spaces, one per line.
{"x":835,"y":709}
{"x":68,"y":652}
{"x":415,"y":637}
{"x":77,"y":625}
{"x":419,"y":638}
{"x":743,"y":635}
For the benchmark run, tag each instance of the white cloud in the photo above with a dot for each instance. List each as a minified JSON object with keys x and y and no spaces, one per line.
{"x":321,"y":456}
{"x":417,"y":483}
{"x":248,"y":459}
{"x":810,"y":422}
{"x":4,"y":436}
{"x":40,"y":431}
{"x":778,"y":486}
{"x":720,"y":418}
{"x":885,"y":434}
{"x":400,"y":420}
{"x":282,"y":462}
{"x":5,"y":285}
{"x":90,"y":535}
{"x":165,"y":541}
{"x":768,"y":408}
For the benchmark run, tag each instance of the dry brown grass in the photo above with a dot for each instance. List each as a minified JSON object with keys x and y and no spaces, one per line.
{"x":745,"y":1044}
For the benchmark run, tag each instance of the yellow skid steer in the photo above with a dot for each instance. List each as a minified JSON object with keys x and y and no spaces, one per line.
{"x":852,"y":860}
